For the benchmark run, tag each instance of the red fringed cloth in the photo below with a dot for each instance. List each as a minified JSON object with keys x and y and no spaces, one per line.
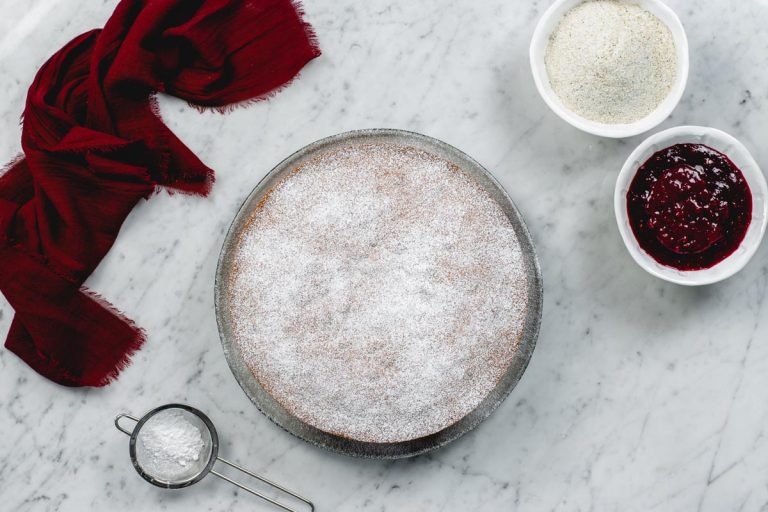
{"x":94,"y":147}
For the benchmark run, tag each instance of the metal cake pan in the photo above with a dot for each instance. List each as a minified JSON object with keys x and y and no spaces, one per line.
{"x":273,"y":409}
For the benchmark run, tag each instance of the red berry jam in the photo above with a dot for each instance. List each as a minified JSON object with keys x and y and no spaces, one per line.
{"x":689,"y":207}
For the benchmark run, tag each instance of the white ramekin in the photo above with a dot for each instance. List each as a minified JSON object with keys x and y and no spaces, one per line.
{"x":540,"y":40}
{"x":740,"y":156}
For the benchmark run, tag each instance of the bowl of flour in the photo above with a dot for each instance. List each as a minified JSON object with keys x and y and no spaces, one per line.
{"x":611,"y":68}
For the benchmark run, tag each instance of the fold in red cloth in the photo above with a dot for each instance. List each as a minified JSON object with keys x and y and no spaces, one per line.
{"x":94,"y":147}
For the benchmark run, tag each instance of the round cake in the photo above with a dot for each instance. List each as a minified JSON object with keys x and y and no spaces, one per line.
{"x":377,"y":293}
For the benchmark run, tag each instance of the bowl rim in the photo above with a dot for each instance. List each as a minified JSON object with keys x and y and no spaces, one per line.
{"x":537,"y":52}
{"x":753,"y":174}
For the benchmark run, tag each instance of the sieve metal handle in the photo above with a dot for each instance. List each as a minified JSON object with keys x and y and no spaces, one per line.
{"x":254,"y":492}
{"x":121,"y":429}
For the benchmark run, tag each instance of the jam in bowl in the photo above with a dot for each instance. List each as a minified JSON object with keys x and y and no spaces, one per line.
{"x":691,"y":205}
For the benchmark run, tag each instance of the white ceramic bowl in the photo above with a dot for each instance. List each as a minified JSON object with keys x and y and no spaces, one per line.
{"x":740,"y":156}
{"x":548,"y":23}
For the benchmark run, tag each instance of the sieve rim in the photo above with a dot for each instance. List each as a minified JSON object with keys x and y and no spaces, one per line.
{"x":185,"y":483}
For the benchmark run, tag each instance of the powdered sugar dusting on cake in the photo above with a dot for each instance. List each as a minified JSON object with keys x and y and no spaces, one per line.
{"x":378,"y":293}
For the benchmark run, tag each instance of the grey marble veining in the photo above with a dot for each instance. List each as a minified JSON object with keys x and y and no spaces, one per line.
{"x":641,"y":395}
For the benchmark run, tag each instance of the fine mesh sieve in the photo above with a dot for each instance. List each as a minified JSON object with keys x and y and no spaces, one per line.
{"x":197,"y":469}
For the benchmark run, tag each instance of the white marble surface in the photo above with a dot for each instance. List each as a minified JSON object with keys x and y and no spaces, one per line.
{"x":640,"y":396}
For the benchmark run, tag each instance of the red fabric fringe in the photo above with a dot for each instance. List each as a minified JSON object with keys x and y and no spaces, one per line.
{"x":94,"y":147}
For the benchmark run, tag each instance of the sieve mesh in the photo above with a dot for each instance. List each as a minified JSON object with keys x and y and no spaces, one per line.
{"x":151,"y":436}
